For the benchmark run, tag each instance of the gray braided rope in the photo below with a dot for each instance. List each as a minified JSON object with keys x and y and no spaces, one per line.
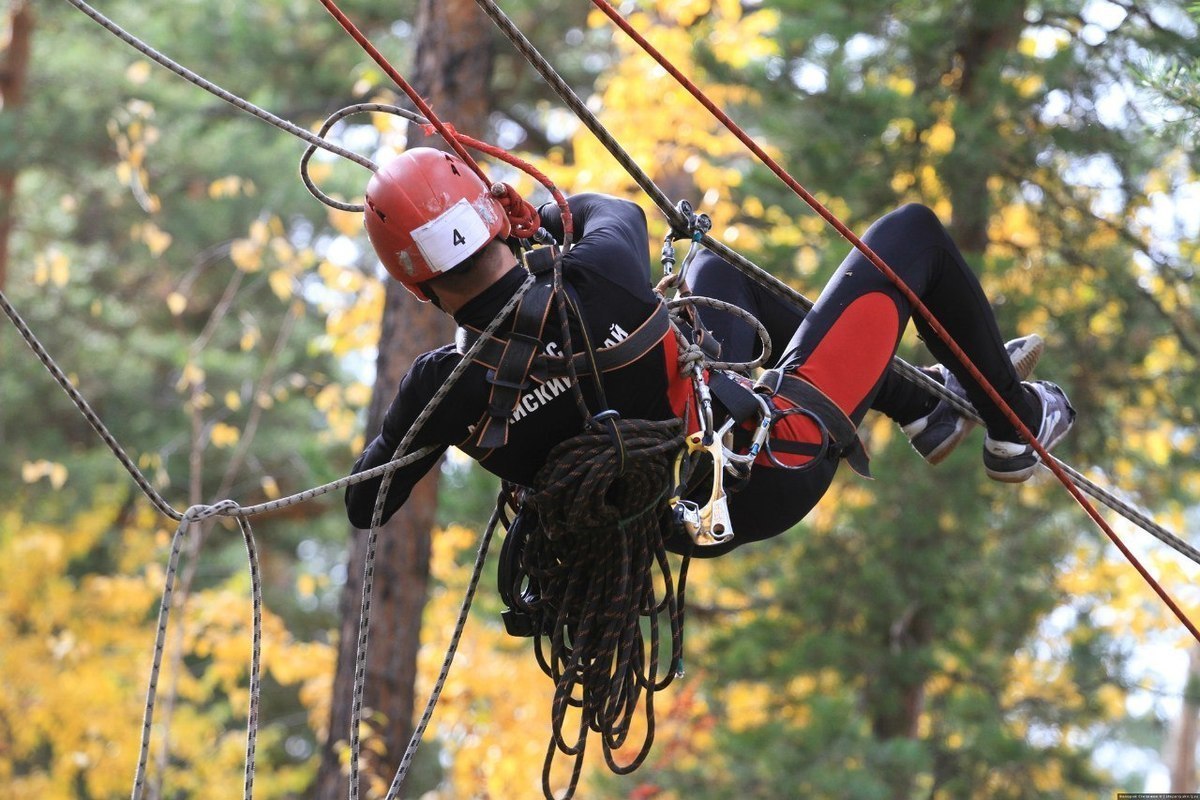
{"x":228,"y":508}
{"x":85,"y":409}
{"x":760,"y":330}
{"x":333,"y":119}
{"x":225,"y":508}
{"x":776,"y":287}
{"x":644,"y":182}
{"x":217,"y":91}
{"x":232,"y":509}
{"x":255,"y":655}
{"x":164,"y":612}
{"x":447,"y":661}
{"x":195,"y":514}
{"x":364,"y":620}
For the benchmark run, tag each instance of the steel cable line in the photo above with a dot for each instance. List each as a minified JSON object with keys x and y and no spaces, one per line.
{"x":521,"y":43}
{"x":910,"y":295}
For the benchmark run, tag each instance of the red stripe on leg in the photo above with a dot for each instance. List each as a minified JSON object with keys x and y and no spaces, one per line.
{"x":852,"y":356}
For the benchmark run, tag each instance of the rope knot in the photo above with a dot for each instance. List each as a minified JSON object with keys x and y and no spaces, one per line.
{"x":523,"y":217}
{"x":224,"y":508}
{"x":429,"y":129}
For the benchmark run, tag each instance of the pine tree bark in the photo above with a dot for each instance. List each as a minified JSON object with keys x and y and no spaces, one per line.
{"x":453,"y":66}
{"x":1185,"y":733}
{"x":992,"y":29}
{"x":13,"y":74}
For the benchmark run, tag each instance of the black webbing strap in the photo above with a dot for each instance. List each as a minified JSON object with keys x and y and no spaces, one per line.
{"x":510,"y":376}
{"x":540,"y":261}
{"x":737,"y":398}
{"x":544,"y":366}
{"x":842,"y":433}
{"x":519,"y":599}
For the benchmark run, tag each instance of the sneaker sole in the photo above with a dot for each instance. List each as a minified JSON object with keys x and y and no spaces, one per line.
{"x":1024,"y":359}
{"x":1025,"y":474}
{"x":943,"y":450}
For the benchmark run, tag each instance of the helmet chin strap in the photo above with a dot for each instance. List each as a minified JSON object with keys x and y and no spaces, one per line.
{"x":427,"y":290}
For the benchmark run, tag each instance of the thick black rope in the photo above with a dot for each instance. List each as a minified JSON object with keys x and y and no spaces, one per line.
{"x":595,"y":579}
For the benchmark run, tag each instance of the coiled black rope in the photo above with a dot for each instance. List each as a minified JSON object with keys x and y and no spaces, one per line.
{"x":595,"y":580}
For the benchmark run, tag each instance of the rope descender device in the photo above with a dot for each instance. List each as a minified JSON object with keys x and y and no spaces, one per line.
{"x":708,"y":525}
{"x":711,"y":524}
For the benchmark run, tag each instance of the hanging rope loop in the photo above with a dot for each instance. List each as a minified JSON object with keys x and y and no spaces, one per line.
{"x":585,"y":582}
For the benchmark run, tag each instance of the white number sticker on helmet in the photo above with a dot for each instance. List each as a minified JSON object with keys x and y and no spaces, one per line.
{"x":456,"y":234}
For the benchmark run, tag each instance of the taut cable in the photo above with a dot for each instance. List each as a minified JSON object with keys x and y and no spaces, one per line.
{"x":781,"y":290}
{"x":1051,"y":463}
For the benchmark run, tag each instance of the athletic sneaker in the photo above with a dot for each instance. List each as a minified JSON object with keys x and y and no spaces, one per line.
{"x":1014,"y":462}
{"x":937,"y":433}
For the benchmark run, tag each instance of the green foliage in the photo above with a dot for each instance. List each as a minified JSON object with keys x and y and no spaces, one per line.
{"x":929,"y":634}
{"x":169,"y":258}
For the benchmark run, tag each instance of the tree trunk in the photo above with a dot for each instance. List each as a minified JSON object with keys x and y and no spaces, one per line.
{"x":995,"y":26}
{"x":13,"y":73}
{"x":994,"y":29}
{"x":453,"y":71}
{"x":1181,"y":754}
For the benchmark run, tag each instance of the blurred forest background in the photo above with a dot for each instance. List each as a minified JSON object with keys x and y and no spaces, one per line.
{"x":929,"y":634}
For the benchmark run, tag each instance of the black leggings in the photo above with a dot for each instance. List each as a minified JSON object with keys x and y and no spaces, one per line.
{"x":845,"y":343}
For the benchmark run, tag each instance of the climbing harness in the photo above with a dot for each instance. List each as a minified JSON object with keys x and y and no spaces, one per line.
{"x":627,"y":455}
{"x":781,"y":290}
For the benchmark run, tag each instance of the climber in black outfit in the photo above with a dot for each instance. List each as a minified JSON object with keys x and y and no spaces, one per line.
{"x":439,"y":230}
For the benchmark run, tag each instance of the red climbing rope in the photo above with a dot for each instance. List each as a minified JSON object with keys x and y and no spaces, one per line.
{"x":920,"y":307}
{"x":519,"y":213}
{"x":404,"y":85}
{"x":522,"y":216}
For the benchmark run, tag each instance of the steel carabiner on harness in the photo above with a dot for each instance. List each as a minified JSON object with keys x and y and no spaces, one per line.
{"x":694,"y":229}
{"x":740,"y":464}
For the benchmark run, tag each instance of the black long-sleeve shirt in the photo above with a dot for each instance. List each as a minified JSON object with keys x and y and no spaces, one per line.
{"x":608,"y":271}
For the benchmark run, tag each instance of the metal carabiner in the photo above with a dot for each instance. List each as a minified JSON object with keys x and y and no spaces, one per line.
{"x":763,"y":432}
{"x":706,"y":409}
{"x":711,"y":522}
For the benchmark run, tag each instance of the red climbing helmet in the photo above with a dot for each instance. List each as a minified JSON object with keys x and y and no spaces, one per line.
{"x":427,"y":212}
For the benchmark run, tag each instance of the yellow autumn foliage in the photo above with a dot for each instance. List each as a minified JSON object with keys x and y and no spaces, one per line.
{"x":76,"y":655}
{"x":52,"y":267}
{"x":662,"y":127}
{"x":748,"y":704}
